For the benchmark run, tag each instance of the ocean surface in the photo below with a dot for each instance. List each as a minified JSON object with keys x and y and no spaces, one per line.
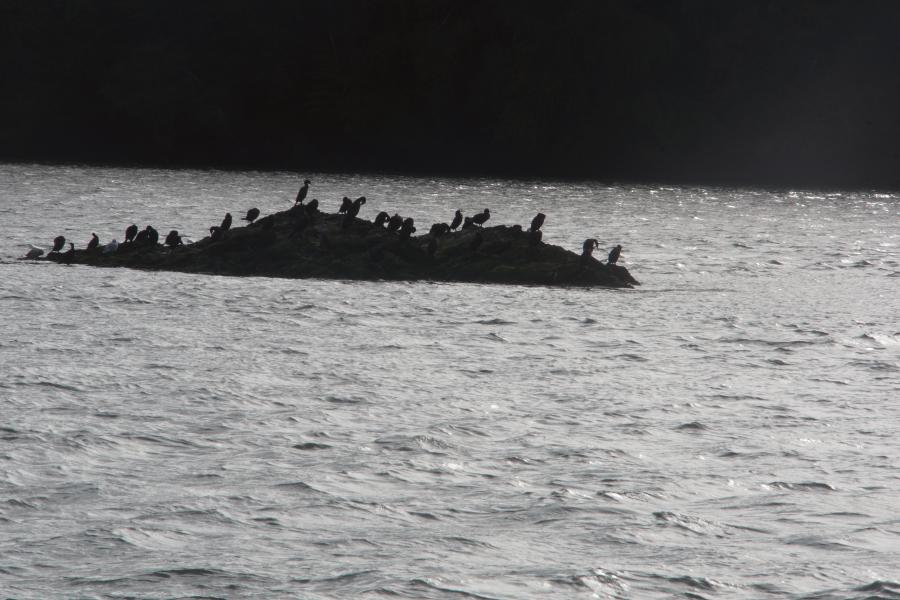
{"x":730,"y":429}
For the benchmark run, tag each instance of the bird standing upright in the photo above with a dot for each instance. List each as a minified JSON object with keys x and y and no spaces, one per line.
{"x":304,"y":190}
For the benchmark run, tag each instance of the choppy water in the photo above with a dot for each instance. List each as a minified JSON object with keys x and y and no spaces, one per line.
{"x":729,"y":430}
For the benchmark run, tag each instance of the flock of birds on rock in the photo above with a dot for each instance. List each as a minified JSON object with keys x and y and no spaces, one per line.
{"x":305,"y":215}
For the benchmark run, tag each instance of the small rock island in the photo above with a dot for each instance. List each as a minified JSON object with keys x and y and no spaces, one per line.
{"x":303,"y":242}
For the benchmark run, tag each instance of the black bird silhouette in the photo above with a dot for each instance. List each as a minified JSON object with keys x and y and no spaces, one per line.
{"x":381,"y":219}
{"x":614,"y":255}
{"x":173,"y":239}
{"x":395,"y":222}
{"x":457,"y":220}
{"x":538,"y":221}
{"x":58,"y":243}
{"x":69,"y":255}
{"x":142,"y":236}
{"x":467,"y":223}
{"x":346,"y":203}
{"x":252,"y":215}
{"x":301,"y":195}
{"x":312,"y":207}
{"x":439,"y":229}
{"x":407,"y":229}
{"x":226,"y":222}
{"x":152,"y":235}
{"x":131,"y":232}
{"x":482,"y":217}
{"x":94,"y":243}
{"x":587,"y":248}
{"x":216,"y":233}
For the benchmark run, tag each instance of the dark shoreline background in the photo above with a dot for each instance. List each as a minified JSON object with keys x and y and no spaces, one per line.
{"x":763,"y":93}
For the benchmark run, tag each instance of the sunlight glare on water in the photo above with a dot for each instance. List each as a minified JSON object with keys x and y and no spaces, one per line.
{"x":727,"y":430}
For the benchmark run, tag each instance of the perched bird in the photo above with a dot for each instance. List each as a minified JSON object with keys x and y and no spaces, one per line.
{"x":252,"y":215}
{"x":346,"y":203}
{"x":301,"y":195}
{"x":457,"y":220}
{"x":226,"y":222}
{"x":34,"y":252}
{"x":130,"y":233}
{"x":69,"y":255}
{"x":94,"y":243}
{"x":142,"y":236}
{"x":614,"y":255}
{"x":111,"y":247}
{"x":407,"y":229}
{"x":313,"y":207}
{"x":173,"y":240}
{"x":58,"y":243}
{"x":381,"y":219}
{"x":152,"y":235}
{"x":482,"y":217}
{"x":467,"y":223}
{"x":587,"y":248}
{"x":439,"y":229}
{"x":216,"y":233}
{"x":395,"y":222}
{"x":537,"y":222}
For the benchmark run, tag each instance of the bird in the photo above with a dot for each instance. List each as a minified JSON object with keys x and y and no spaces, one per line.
{"x":111,"y":247}
{"x":94,"y":243}
{"x":142,"y":236}
{"x":346,"y":203}
{"x":69,"y":255}
{"x":587,"y":248}
{"x":152,"y":235}
{"x":301,"y":195}
{"x":34,"y":252}
{"x":482,"y":217}
{"x":130,"y":233}
{"x":467,"y":223}
{"x":173,"y":240}
{"x":381,"y":219}
{"x":252,"y":215}
{"x":537,"y":222}
{"x":407,"y":229}
{"x":457,"y":220}
{"x":614,"y":255}
{"x":226,"y":222}
{"x":312,"y":207}
{"x":58,"y":243}
{"x":216,"y":233}
{"x":395,"y":222}
{"x":439,"y":229}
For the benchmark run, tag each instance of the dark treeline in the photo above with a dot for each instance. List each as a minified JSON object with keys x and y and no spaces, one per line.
{"x":767,"y":92}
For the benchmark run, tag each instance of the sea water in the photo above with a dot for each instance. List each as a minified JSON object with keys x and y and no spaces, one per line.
{"x":727,"y":430}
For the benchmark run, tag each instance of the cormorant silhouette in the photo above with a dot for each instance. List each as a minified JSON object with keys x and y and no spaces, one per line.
{"x":130,"y":233}
{"x":94,"y":243}
{"x":614,"y":255}
{"x":439,"y":229}
{"x":346,"y":203}
{"x":252,"y":215}
{"x":58,"y":243}
{"x":587,"y":248}
{"x":537,"y":222}
{"x":69,"y":255}
{"x":152,"y":235}
{"x":142,"y":236}
{"x":216,"y":233}
{"x":457,"y":220}
{"x":467,"y":223}
{"x":301,"y":195}
{"x":226,"y":222}
{"x":312,"y":207}
{"x":381,"y":219}
{"x":482,"y":217}
{"x":407,"y":229}
{"x":173,"y":240}
{"x":34,"y":252}
{"x":395,"y":222}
